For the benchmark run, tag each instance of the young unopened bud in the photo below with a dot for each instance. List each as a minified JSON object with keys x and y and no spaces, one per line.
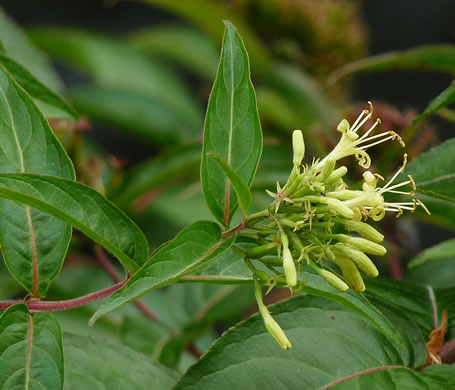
{"x":359,"y":258}
{"x":350,"y":273}
{"x":334,"y":280}
{"x":337,"y":174}
{"x":270,"y":324}
{"x":365,"y":230}
{"x":275,"y":330}
{"x":298,"y":146}
{"x":339,"y":208}
{"x":261,"y":250}
{"x":362,"y":244}
{"x":289,"y":268}
{"x":327,"y":169}
{"x":262,"y":275}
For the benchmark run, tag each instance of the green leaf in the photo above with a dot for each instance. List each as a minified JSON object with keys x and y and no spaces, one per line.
{"x":31,"y":354}
{"x":180,"y":44}
{"x":442,"y":211}
{"x":110,"y":62}
{"x":414,"y":299}
{"x":36,"y":254}
{"x":96,"y":364}
{"x":241,"y":189}
{"x":207,"y":15}
{"x":429,"y":57}
{"x":330,"y":344}
{"x":16,"y":45}
{"x":145,"y":117}
{"x":82,"y":207}
{"x":440,"y":273}
{"x":49,"y":102}
{"x":442,"y":251}
{"x":157,"y":172}
{"x":193,"y":248}
{"x":435,"y":176}
{"x":445,"y":98}
{"x":232,"y":128}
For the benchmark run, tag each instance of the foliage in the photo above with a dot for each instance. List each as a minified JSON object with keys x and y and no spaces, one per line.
{"x":199,"y":237}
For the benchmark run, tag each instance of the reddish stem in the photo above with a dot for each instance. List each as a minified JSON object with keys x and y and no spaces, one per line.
{"x":63,"y":305}
{"x":231,"y":232}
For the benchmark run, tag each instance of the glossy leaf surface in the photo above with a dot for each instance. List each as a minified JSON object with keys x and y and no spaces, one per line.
{"x":232,"y":129}
{"x":28,"y":145}
{"x":31,"y":354}
{"x":332,"y":347}
{"x":193,"y":248}
{"x":98,"y":364}
{"x":82,"y":207}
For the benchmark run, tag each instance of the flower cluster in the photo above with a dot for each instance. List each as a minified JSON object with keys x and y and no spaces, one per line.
{"x":315,"y":218}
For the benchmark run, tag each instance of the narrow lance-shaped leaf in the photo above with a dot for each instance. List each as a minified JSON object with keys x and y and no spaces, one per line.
{"x":18,"y":47}
{"x":445,"y":98}
{"x":429,"y":57}
{"x":193,"y":248}
{"x":31,"y":354}
{"x":50,"y":103}
{"x":442,"y":251}
{"x":157,"y":172}
{"x":115,"y":65}
{"x":240,"y":187}
{"x":232,"y":128}
{"x":181,"y":44}
{"x":33,"y":243}
{"x":82,"y":207}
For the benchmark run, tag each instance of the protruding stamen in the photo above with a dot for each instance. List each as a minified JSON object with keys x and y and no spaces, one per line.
{"x":364,"y":112}
{"x":421,"y":204}
{"x":405,"y":161}
{"x":411,"y":179}
{"x":370,"y":129}
{"x":355,"y":127}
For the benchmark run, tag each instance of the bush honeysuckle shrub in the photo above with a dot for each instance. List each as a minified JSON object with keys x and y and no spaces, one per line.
{"x":198,"y":238}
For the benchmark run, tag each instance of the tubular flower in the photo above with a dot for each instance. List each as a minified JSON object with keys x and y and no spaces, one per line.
{"x":316,"y":220}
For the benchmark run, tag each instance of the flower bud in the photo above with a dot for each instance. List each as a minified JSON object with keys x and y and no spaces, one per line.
{"x":327,"y":169}
{"x":270,"y":324}
{"x":275,"y":330}
{"x":262,"y":275}
{"x":337,"y":174}
{"x":289,"y":268}
{"x":362,"y":244}
{"x":365,"y":230}
{"x":350,"y":273}
{"x":333,"y":280}
{"x":359,"y":258}
{"x":339,"y":208}
{"x":261,"y":250}
{"x":298,"y":146}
